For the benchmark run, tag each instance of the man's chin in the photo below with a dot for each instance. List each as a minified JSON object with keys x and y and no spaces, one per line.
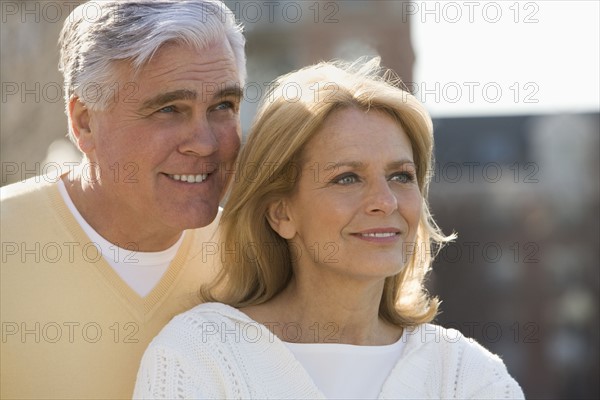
{"x":199,"y":220}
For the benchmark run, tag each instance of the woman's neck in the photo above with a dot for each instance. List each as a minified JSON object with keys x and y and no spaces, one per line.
{"x":309,"y":312}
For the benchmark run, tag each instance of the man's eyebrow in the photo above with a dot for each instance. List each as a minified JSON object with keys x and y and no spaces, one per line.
{"x":165,"y":98}
{"x":229,"y":91}
{"x":185,"y":94}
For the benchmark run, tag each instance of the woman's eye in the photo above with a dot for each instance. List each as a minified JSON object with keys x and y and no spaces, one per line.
{"x":346,"y":179}
{"x":403,"y":177}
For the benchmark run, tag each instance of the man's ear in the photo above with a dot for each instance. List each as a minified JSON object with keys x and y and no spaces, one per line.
{"x":280,"y":219}
{"x":79,"y":118}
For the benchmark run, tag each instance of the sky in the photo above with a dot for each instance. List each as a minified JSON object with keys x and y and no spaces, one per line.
{"x":506,"y":57}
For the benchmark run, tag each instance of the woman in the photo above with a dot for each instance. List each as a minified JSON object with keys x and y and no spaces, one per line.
{"x":327,"y":238}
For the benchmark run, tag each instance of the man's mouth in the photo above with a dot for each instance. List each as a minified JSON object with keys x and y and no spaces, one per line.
{"x":378,"y":234}
{"x":189,"y":178}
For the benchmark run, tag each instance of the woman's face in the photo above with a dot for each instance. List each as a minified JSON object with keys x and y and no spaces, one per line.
{"x":356,"y":207}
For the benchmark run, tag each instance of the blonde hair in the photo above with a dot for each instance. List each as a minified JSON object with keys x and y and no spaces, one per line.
{"x":257,"y":264}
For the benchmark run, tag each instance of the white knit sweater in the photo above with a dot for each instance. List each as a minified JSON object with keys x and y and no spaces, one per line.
{"x":217,"y":352}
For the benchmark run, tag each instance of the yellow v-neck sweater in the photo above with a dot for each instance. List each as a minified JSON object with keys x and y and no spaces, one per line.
{"x":71,"y":328}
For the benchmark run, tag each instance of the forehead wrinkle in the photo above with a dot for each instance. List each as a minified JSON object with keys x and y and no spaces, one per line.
{"x":394,"y":148}
{"x":216,"y":66}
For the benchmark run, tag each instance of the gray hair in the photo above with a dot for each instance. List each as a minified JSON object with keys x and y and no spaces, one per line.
{"x":96,"y":35}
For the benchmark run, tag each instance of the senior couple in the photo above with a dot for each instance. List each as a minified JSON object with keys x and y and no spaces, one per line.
{"x":310,"y":283}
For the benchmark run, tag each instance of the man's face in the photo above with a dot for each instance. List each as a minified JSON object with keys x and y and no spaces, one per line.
{"x":166,"y":148}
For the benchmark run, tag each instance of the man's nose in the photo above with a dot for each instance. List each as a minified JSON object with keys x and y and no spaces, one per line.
{"x":201,"y":139}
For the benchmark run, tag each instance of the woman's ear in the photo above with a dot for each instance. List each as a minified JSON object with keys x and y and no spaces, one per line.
{"x":79,"y":118}
{"x":280,"y":219}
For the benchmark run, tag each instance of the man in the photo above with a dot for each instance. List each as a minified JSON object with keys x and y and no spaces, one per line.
{"x":94,"y":265}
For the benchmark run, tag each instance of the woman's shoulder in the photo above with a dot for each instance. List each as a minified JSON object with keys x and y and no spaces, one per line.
{"x":444,"y":341}
{"x":201,"y":348}
{"x":476,"y":370}
{"x":204,"y":317}
{"x":449,"y":348}
{"x":210,"y":312}
{"x":205,"y":323}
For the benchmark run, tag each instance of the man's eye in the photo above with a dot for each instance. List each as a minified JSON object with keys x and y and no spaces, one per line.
{"x":167,"y":109}
{"x":226,"y":105}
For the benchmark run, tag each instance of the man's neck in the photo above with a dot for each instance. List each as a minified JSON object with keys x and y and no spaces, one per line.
{"x":99,"y":212}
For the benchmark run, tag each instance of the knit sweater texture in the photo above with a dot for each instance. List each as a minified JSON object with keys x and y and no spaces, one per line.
{"x":71,"y":328}
{"x":214,"y":351}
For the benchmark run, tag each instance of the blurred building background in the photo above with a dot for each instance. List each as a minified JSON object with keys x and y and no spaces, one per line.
{"x":521,"y":190}
{"x":522,"y":194}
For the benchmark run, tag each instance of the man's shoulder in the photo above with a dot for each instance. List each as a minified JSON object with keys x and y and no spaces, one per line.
{"x":27,"y":188}
{"x":26,"y":198}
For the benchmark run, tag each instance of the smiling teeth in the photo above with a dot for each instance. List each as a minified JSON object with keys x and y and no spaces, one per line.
{"x":190,"y":178}
{"x":379,"y":235}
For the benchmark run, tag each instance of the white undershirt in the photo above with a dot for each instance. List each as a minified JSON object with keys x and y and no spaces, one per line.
{"x":344,"y":371}
{"x":140,"y":270}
